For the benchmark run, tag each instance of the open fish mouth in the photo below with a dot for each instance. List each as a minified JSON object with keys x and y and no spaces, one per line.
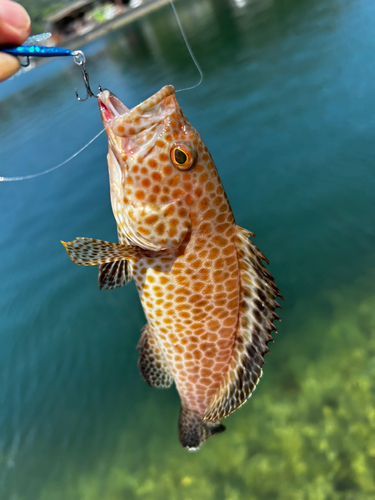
{"x":125,"y":122}
{"x":110,"y":107}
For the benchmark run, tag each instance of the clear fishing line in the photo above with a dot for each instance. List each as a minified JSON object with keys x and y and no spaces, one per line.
{"x":189,"y":49}
{"x":32,"y":176}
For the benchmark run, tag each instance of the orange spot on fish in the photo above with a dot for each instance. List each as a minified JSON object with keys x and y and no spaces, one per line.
{"x":174,"y":181}
{"x":189,"y":199}
{"x":177,"y":193}
{"x":151,"y":219}
{"x":144,"y":231}
{"x":193,"y":219}
{"x":169,"y":210}
{"x":160,"y":229}
{"x":203,"y":204}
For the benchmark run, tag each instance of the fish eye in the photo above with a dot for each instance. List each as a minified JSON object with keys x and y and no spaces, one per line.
{"x":183,"y":157}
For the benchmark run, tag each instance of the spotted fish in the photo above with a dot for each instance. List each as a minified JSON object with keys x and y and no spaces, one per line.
{"x":208,"y":299}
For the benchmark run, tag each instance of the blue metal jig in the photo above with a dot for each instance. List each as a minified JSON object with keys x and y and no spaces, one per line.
{"x":31,"y":49}
{"x":35,"y":51}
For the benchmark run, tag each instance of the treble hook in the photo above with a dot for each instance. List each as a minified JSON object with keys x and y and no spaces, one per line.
{"x":80,"y":60}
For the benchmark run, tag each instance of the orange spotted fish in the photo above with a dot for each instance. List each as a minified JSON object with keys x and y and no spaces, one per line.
{"x":208,"y":299}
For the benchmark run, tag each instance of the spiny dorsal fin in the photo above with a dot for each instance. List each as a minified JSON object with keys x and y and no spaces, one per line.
{"x":152,"y":364}
{"x":257,"y":313}
{"x":114,"y":275}
{"x":91,"y":252}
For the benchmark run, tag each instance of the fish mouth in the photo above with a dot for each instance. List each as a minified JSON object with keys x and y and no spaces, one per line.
{"x":125,"y":122}
{"x":110,"y":107}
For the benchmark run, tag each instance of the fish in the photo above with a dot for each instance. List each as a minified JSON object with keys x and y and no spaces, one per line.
{"x":208,"y":298}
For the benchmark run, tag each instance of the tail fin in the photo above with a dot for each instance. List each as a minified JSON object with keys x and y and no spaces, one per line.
{"x":192,"y":431}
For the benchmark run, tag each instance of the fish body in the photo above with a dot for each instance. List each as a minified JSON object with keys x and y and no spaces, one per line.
{"x":208,"y":299}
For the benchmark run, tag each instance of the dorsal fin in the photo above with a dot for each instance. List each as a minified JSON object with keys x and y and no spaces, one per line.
{"x":114,"y":275}
{"x":257,"y":313}
{"x":152,"y":363}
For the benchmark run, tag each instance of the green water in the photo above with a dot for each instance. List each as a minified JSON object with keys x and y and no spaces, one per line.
{"x":287,"y":111}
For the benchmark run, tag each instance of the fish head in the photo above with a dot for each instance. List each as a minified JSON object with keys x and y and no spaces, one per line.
{"x":159,"y":169}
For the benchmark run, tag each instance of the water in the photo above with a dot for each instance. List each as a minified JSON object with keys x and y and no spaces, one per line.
{"x":287,"y":111}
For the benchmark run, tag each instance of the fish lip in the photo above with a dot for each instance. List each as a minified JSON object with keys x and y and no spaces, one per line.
{"x":110,"y":107}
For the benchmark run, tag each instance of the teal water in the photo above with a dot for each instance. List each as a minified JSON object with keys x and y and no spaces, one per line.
{"x":287,"y":111}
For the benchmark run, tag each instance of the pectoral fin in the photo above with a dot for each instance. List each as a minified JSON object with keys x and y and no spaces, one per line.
{"x":91,"y":252}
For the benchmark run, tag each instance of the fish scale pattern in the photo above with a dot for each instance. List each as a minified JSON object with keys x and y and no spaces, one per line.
{"x":208,"y":299}
{"x":192,"y":300}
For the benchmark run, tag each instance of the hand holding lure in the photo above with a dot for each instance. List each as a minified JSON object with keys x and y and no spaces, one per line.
{"x":31,"y":48}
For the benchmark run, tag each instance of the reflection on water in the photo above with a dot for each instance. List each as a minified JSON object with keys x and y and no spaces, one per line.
{"x":285,"y":109}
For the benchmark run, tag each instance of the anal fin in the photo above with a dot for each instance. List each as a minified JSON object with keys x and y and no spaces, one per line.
{"x":114,"y":274}
{"x":152,"y":363}
{"x":257,"y":313}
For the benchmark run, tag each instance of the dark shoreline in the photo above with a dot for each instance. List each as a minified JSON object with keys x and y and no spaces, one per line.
{"x":121,"y":20}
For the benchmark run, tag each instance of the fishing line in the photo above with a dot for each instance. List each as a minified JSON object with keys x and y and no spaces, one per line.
{"x":189,"y":49}
{"x":32,"y":176}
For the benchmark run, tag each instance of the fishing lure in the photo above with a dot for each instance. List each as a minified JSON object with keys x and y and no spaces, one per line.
{"x":31,"y":48}
{"x":208,"y":299}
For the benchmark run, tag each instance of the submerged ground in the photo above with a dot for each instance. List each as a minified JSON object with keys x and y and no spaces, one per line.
{"x":286,"y":109}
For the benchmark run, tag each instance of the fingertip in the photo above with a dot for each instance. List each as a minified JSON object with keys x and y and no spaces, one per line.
{"x":15,"y":23}
{"x":9,"y":65}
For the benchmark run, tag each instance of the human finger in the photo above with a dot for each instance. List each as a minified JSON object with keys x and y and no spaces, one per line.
{"x":8,"y":66}
{"x":14,"y":23}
